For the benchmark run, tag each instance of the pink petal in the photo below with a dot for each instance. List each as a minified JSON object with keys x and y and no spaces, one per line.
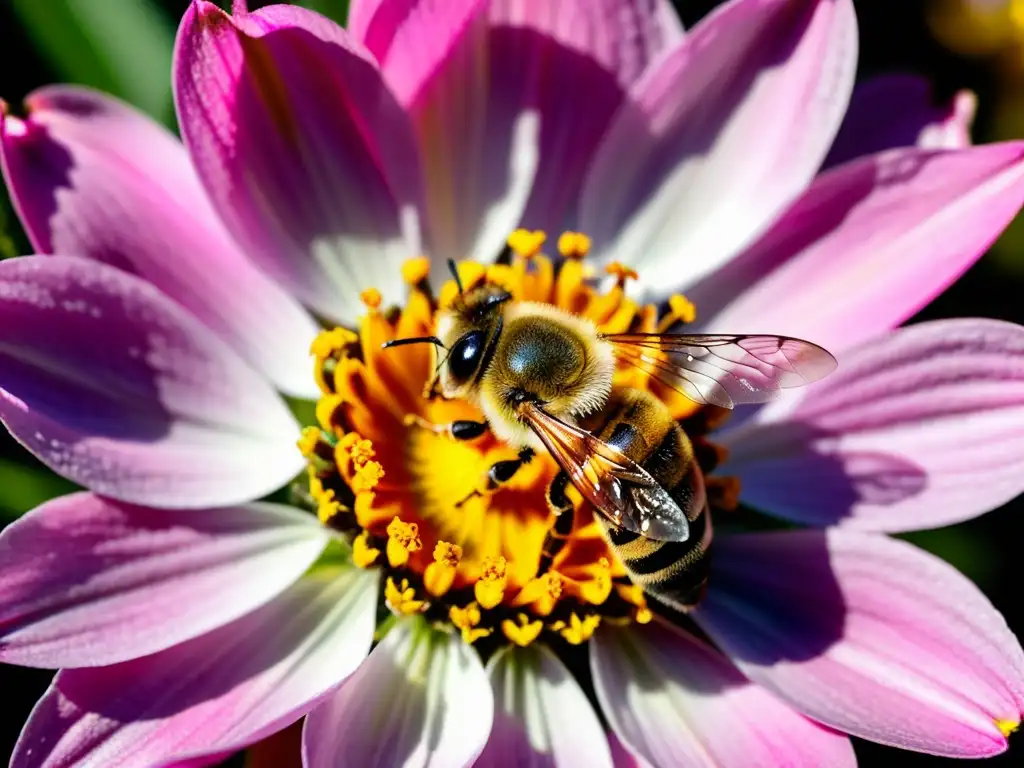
{"x":720,"y":136}
{"x":92,"y":177}
{"x":920,"y":428}
{"x":622,"y":757}
{"x":213,"y":694}
{"x":673,"y":700}
{"x":421,"y":699}
{"x":869,"y":635}
{"x":542,"y":717}
{"x":869,"y":244}
{"x":86,"y":581}
{"x":116,"y":387}
{"x":304,"y":151}
{"x":891,"y":111}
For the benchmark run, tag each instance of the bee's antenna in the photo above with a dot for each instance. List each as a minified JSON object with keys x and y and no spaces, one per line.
{"x":418,"y":340}
{"x":455,"y":273}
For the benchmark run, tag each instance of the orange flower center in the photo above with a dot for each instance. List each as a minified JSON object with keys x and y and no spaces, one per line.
{"x":416,"y":503}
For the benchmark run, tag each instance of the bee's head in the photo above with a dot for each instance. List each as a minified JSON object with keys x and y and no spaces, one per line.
{"x":469,"y":331}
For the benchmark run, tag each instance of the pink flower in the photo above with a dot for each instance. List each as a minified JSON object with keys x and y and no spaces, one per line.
{"x":142,"y":357}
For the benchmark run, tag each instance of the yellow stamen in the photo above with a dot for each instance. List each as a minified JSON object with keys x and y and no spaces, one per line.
{"x":524,"y":632}
{"x":330,"y":341}
{"x":327,"y":506}
{"x":308,"y":442}
{"x":415,"y":271}
{"x":364,"y":555}
{"x":371,"y":298}
{"x":542,"y":593}
{"x":471,"y":275}
{"x":403,"y":540}
{"x":1006,"y":727}
{"x":359,"y":449}
{"x":326,"y":408}
{"x":527,"y":244}
{"x":490,"y":588}
{"x":573,"y":245}
{"x":402,"y":598}
{"x":621,"y":272}
{"x":597,"y":590}
{"x":577,"y":630}
{"x":467,"y":619}
{"x":440,"y":574}
{"x":367,"y":477}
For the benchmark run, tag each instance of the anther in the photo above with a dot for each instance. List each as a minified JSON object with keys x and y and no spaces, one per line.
{"x":597,"y":589}
{"x":490,"y":588}
{"x":522,"y":631}
{"x":327,"y":507}
{"x":401,"y":598}
{"x":573,"y":245}
{"x":330,"y":341}
{"x":359,"y":449}
{"x":621,"y":272}
{"x":680,"y":310}
{"x":527,"y":244}
{"x":363,"y":553}
{"x":367,"y":477}
{"x":371,"y":298}
{"x":440,"y":574}
{"x":577,"y":631}
{"x":467,"y":620}
{"x":403,"y":540}
{"x":416,"y":271}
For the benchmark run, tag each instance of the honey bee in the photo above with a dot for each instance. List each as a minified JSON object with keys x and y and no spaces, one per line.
{"x":543,"y":379}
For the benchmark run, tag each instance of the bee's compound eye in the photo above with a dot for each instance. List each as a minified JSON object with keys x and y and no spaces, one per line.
{"x":465,"y":356}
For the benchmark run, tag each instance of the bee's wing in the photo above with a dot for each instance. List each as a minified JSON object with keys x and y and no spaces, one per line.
{"x":724,"y":370}
{"x":619,"y":488}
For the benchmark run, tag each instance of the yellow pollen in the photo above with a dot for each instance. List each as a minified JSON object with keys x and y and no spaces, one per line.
{"x":327,"y":507}
{"x":490,"y":589}
{"x":1006,"y":727}
{"x":573,"y":245}
{"x":330,"y":341}
{"x":525,"y":243}
{"x":308,"y":442}
{"x":367,"y":477}
{"x":364,"y":555}
{"x":621,"y":272}
{"x":359,"y":449}
{"x":415,"y":271}
{"x":597,"y":590}
{"x":522,"y":631}
{"x":402,"y":598}
{"x":403,"y":540}
{"x":541,"y":593}
{"x":440,"y":574}
{"x":371,"y":298}
{"x":466,"y":619}
{"x":682,"y":308}
{"x":577,"y":631}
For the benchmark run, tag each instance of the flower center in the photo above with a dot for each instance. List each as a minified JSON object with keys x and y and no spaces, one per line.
{"x":385,"y":469}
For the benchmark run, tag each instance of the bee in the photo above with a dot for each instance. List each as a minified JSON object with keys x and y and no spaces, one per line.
{"x":543,"y":379}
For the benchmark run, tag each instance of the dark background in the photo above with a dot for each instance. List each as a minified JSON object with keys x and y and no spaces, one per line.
{"x":44,"y":41}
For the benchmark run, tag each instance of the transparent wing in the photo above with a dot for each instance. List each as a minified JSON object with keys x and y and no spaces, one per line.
{"x":724,"y":370}
{"x":619,"y":488}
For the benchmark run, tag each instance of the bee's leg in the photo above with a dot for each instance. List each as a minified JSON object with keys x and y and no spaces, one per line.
{"x":500,"y":473}
{"x":562,"y":509}
{"x":463,"y":429}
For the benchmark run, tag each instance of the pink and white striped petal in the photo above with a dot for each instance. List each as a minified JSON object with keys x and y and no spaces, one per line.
{"x":890,"y":111}
{"x":92,"y":177}
{"x":86,"y":581}
{"x":542,"y":718}
{"x":869,"y":244}
{"x":119,"y":389}
{"x":920,"y":428}
{"x":211,"y":695}
{"x":869,"y":635}
{"x":673,"y":700}
{"x":303,"y":149}
{"x":719,"y":137}
{"x":420,"y":699}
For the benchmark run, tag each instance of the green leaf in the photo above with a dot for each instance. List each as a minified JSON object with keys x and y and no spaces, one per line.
{"x":122,"y":47}
{"x":23,"y":487}
{"x":332,"y":9}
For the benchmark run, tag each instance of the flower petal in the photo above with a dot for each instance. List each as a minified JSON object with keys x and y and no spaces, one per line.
{"x":210,"y":695}
{"x":891,"y":111}
{"x":921,"y":428}
{"x":868,"y":635}
{"x":86,"y":581}
{"x":421,"y":699}
{"x":542,"y":717}
{"x":116,"y":387}
{"x":92,"y":177}
{"x":720,"y":136}
{"x":304,"y":151}
{"x":869,"y":244}
{"x":675,"y":701}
